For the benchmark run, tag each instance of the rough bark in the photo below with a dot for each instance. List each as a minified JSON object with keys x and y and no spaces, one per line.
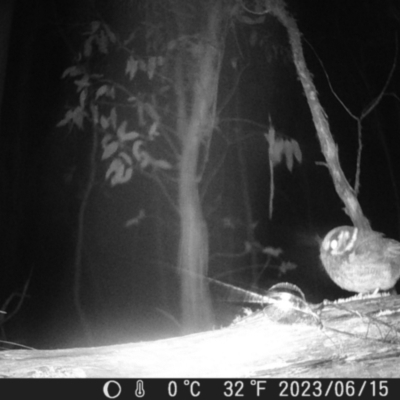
{"x":328,"y":146}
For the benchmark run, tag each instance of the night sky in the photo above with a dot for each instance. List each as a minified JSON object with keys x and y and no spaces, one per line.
{"x":128,"y":284}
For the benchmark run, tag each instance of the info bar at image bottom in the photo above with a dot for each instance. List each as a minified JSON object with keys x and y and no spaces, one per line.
{"x":190,"y":388}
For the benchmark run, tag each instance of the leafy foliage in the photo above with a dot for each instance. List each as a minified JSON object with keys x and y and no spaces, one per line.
{"x":112,"y":106}
{"x":280,"y":148}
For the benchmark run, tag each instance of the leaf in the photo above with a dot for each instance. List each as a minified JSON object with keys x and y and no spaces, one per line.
{"x":82,"y":83}
{"x":142,"y":156}
{"x":118,"y":172}
{"x":272,"y":251}
{"x":124,"y":136}
{"x":109,"y":150}
{"x":126,"y":176}
{"x":110,"y":33}
{"x":276,"y":151}
{"x":270,"y":136}
{"x":291,"y":149}
{"x":286,"y":266}
{"x":288,"y":149}
{"x":114,"y":167}
{"x":82,"y":98}
{"x":107,"y":137}
{"x":297,"y":151}
{"x":131,"y":67}
{"x":127,"y":158}
{"x":162,"y":164}
{"x":79,"y":115}
{"x":136,"y":220}
{"x":74,"y":116}
{"x":65,"y":120}
{"x":94,"y":26}
{"x":101,"y":91}
{"x":131,"y":136}
{"x":121,"y":130}
{"x":136,"y":151}
{"x":72,"y":71}
{"x":145,"y":160}
{"x":151,"y":67}
{"x":153,"y":132}
{"x":104,"y":122}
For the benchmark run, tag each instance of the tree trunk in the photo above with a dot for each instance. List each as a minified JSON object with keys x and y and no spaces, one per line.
{"x":329,"y":149}
{"x":195,"y":133}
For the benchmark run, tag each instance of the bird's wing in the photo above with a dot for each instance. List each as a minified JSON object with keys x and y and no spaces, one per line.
{"x":375,"y":246}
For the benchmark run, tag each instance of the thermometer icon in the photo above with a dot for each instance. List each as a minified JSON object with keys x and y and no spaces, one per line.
{"x":139,"y":392}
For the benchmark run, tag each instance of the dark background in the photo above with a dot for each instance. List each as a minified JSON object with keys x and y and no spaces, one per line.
{"x":128,"y":287}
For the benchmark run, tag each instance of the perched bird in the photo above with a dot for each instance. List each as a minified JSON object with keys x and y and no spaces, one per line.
{"x":360,"y":260}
